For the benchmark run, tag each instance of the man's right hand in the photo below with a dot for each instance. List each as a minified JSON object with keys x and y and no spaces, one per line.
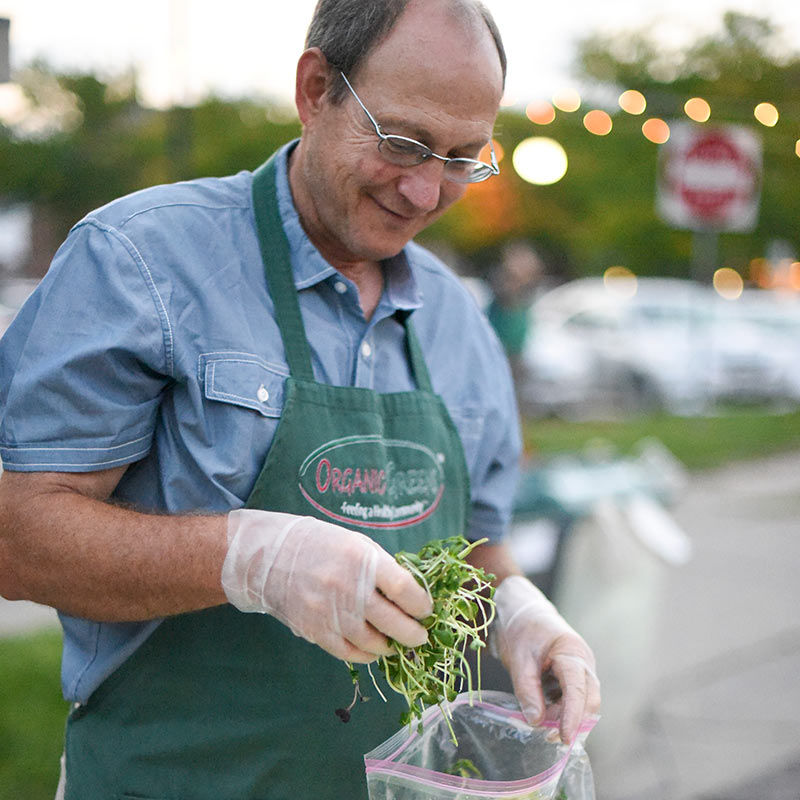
{"x":332,"y":586}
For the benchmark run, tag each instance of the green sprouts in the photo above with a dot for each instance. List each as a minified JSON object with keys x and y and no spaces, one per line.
{"x":435,"y":672}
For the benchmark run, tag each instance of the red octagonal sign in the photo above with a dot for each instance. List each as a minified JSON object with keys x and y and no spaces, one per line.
{"x":710,"y":179}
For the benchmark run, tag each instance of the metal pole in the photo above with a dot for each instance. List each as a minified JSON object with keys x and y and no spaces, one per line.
{"x":5,"y":49}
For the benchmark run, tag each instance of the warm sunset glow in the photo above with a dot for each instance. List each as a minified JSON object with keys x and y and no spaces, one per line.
{"x":567,"y":100}
{"x":766,"y":114}
{"x":697,"y":109}
{"x":656,"y":130}
{"x":540,"y":112}
{"x":598,"y":122}
{"x":632,"y":101}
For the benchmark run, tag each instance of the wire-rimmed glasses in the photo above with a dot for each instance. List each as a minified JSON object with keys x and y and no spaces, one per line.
{"x":407,"y":152}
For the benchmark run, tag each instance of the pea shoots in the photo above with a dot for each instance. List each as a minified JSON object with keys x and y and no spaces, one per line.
{"x":463,"y":608}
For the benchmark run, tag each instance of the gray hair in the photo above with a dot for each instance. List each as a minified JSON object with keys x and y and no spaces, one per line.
{"x":346,"y":31}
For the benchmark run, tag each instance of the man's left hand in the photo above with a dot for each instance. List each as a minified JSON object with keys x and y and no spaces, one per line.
{"x":532,"y":638}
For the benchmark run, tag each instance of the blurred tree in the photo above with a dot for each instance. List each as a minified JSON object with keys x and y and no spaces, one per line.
{"x":602,"y":213}
{"x":85,"y":141}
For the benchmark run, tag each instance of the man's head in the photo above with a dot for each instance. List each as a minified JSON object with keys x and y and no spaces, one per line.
{"x":428,"y":70}
{"x":346,"y":31}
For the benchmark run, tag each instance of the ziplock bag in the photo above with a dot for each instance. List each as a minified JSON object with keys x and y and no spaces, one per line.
{"x":498,"y":755}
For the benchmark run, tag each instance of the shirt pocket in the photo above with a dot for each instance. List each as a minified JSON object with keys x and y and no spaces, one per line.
{"x":244,"y":380}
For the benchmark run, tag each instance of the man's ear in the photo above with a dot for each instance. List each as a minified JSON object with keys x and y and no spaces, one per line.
{"x":311,"y":84}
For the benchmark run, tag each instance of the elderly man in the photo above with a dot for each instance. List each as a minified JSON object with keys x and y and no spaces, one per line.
{"x":272,"y":390}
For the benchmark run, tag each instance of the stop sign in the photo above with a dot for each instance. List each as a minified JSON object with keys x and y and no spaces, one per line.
{"x":710,"y":178}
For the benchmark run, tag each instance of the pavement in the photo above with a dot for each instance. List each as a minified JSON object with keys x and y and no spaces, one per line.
{"x":702,"y":687}
{"x":718,"y":715}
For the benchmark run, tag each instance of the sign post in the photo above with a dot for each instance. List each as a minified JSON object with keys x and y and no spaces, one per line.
{"x":5,"y":60}
{"x":709,"y":182}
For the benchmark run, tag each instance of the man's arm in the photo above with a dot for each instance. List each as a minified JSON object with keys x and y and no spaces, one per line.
{"x":64,"y":545}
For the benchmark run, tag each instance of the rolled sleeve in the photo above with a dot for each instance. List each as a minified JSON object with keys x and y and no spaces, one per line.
{"x":83,"y":365}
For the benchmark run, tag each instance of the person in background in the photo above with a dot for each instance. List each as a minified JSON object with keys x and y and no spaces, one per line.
{"x":514,"y":283}
{"x":207,"y":475}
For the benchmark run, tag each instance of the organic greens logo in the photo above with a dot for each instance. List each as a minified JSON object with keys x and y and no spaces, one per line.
{"x":373,"y":482}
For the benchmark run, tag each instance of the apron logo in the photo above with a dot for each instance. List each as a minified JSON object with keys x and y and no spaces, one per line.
{"x":373,"y":482}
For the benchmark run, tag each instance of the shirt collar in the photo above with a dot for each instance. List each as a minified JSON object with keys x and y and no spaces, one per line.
{"x":308,"y":265}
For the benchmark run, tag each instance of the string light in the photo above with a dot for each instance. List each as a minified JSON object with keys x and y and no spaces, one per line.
{"x":567,"y":100}
{"x":632,"y":101}
{"x":697,"y":109}
{"x":656,"y":130}
{"x":766,"y":114}
{"x":540,"y":112}
{"x":598,"y":122}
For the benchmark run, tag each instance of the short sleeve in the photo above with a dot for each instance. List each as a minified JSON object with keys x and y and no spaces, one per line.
{"x":495,"y":473}
{"x":85,"y":361}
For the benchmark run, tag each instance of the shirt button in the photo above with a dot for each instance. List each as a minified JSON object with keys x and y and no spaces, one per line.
{"x":366,"y":350}
{"x":262,"y":394}
{"x":340,"y":287}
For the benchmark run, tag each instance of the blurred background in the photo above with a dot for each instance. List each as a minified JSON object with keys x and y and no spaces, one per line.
{"x":638,"y":257}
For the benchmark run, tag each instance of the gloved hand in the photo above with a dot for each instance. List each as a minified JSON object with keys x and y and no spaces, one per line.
{"x":531,"y":638}
{"x":330,"y":585}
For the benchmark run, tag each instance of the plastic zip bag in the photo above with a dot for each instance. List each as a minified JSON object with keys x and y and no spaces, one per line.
{"x":498,"y":755}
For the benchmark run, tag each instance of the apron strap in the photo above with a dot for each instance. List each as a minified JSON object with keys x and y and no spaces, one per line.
{"x":275,"y":255}
{"x":419,"y":369}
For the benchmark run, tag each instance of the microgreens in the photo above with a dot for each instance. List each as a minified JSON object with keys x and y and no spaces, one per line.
{"x":435,"y":672}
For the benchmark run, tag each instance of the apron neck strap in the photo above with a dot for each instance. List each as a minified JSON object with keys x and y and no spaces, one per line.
{"x":277,"y":268}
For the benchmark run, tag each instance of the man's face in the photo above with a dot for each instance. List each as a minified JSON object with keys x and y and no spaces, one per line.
{"x":433,"y":80}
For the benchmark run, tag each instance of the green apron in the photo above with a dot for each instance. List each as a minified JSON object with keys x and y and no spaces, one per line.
{"x":223,"y":705}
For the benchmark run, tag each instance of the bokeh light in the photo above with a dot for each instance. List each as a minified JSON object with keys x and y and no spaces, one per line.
{"x":632,"y":101}
{"x":697,"y":109}
{"x":541,"y":112}
{"x":656,"y":130}
{"x":621,"y":282}
{"x":728,"y":283}
{"x":797,"y":148}
{"x":598,"y":122}
{"x":766,"y":114}
{"x":540,"y":160}
{"x":567,"y":100}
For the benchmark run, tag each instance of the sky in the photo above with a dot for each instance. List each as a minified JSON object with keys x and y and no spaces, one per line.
{"x":183,"y":49}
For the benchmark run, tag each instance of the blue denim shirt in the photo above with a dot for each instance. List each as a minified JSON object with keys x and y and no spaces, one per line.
{"x":151,"y":342}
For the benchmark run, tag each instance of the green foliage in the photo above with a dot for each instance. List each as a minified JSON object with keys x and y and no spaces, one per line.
{"x":32,"y":716}
{"x":698,"y":442}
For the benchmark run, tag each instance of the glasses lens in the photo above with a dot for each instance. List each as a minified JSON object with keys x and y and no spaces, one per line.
{"x":403,"y":152}
{"x":467,"y":171}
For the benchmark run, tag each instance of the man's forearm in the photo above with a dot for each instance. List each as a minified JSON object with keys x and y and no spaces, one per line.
{"x":495,"y":558}
{"x":80,"y":554}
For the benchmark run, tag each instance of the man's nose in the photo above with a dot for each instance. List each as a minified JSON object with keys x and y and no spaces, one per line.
{"x":422,"y":185}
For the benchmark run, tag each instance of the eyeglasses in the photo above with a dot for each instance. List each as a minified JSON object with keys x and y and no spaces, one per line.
{"x":407,"y":152}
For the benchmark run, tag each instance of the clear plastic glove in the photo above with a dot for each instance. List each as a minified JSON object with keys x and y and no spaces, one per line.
{"x":532,"y":638}
{"x":330,"y":585}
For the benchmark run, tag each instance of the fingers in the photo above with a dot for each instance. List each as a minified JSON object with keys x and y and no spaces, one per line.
{"x":398,"y":585}
{"x":580,"y":693}
{"x":387,"y":618}
{"x":526,"y":679}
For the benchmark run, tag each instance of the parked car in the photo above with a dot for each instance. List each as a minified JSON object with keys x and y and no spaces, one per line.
{"x":644,"y":344}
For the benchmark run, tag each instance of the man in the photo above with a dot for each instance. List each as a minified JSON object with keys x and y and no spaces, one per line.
{"x":198,"y":471}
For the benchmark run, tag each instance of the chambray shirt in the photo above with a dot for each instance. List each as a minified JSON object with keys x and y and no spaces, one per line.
{"x":151,"y":342}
